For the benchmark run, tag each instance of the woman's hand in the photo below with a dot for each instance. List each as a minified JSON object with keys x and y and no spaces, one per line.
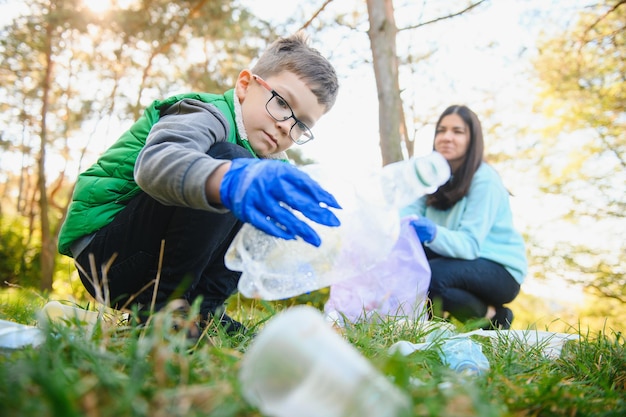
{"x":426,"y":230}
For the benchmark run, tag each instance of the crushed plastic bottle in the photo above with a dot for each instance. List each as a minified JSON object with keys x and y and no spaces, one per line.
{"x":459,"y":352}
{"x":274,"y":268}
{"x":299,"y":366}
{"x":464,"y":356}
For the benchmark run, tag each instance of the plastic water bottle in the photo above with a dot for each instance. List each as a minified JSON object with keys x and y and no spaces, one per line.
{"x":406,"y":181}
{"x":459,"y":352}
{"x":464,"y":356}
{"x":274,"y":268}
{"x":298,"y":365}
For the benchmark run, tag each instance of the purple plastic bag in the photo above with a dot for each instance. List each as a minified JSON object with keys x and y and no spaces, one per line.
{"x":394,"y":288}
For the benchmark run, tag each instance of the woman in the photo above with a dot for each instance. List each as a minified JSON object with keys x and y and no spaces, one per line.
{"x":477,"y":258}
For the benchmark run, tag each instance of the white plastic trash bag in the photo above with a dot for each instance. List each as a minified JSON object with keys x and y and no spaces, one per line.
{"x":274,"y":268}
{"x":550,"y":343}
{"x":16,"y":336}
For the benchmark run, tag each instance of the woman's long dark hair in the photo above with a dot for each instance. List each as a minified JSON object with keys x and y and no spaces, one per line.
{"x":458,"y":185}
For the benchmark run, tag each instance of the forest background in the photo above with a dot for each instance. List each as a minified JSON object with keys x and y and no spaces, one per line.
{"x":545,"y":77}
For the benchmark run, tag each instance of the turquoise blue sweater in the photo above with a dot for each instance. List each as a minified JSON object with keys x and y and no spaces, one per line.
{"x":480,"y":225}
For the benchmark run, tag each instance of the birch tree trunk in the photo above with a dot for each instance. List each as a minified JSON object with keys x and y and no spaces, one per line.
{"x":382,"y":34}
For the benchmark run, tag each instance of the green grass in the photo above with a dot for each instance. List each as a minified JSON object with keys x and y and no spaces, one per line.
{"x":121,"y":370}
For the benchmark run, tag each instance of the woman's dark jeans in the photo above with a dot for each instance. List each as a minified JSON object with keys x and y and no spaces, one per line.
{"x":465,"y":288}
{"x":194,"y":245}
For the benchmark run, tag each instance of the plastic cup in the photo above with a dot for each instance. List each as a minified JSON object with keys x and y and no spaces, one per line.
{"x":299,"y":366}
{"x":57,"y":312}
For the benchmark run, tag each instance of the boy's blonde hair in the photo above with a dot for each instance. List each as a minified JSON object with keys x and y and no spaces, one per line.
{"x":294,"y":54}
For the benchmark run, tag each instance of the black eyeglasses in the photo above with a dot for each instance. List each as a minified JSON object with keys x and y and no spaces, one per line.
{"x":280,"y":110}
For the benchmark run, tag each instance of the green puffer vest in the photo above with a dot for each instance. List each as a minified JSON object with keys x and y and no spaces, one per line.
{"x":104,"y":189}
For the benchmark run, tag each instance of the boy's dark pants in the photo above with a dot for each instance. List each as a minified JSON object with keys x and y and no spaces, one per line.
{"x":192,"y":265}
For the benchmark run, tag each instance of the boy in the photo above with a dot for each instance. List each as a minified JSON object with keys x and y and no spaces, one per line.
{"x":188,"y":173}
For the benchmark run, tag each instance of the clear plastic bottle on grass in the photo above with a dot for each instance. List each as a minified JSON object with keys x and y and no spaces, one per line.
{"x":274,"y":268}
{"x":459,"y":352}
{"x":464,"y":356}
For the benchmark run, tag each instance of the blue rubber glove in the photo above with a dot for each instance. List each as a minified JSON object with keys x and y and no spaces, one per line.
{"x":257,"y":190}
{"x":426,"y":230}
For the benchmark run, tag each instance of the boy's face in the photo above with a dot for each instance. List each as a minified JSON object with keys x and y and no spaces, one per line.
{"x":265,"y":134}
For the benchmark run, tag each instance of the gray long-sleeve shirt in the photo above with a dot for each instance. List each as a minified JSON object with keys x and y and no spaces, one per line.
{"x":173,"y":167}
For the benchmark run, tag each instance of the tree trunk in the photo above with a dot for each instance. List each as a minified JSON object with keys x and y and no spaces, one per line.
{"x":48,"y":246}
{"x":382,"y":35}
